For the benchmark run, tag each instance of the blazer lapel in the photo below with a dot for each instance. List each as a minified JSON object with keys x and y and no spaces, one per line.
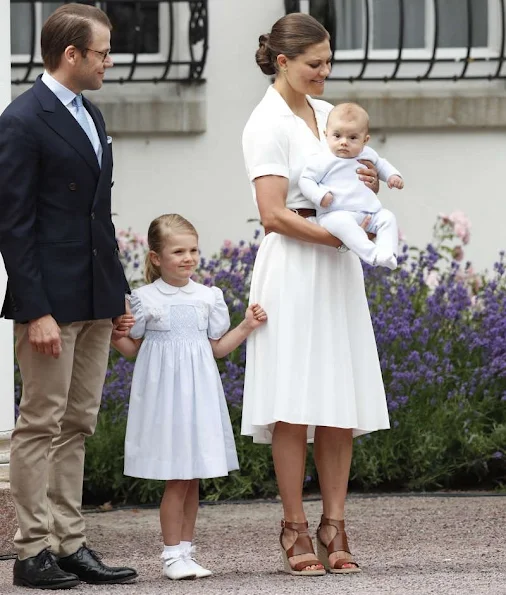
{"x":106,"y":155}
{"x":58,"y":117}
{"x":104,"y":180}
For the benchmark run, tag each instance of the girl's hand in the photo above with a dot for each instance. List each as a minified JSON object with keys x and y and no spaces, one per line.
{"x":122,"y":325}
{"x":369,"y":175}
{"x":255,"y":316}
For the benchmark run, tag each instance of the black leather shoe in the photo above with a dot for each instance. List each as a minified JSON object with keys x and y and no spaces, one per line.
{"x":86,"y":564}
{"x":42,"y":572}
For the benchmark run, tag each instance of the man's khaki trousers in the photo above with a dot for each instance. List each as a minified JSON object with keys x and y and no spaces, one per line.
{"x":59,"y":407}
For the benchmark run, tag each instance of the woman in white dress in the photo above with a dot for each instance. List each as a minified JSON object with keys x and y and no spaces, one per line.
{"x":178,"y":425}
{"x":312,"y":373}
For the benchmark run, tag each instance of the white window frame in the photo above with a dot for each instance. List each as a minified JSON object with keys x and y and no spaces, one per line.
{"x":458,"y":54}
{"x":492,"y":50}
{"x":119,"y":59}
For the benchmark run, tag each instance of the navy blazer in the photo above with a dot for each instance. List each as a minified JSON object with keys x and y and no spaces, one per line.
{"x":57,"y":238}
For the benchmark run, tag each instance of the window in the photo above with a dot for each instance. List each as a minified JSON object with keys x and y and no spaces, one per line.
{"x":152,"y":40}
{"x":419,"y":23}
{"x":136,"y":26}
{"x":418,"y":39}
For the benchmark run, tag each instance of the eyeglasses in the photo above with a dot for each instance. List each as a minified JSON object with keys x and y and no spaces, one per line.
{"x":104,"y":55}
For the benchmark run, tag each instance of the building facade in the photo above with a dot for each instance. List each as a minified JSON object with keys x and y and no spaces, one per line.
{"x":430,"y":73}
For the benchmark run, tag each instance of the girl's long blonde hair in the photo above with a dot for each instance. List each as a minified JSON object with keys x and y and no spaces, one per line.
{"x":160,"y":230}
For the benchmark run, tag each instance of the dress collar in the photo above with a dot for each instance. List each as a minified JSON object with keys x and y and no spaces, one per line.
{"x":279,"y":105}
{"x":277,"y":101}
{"x":160,"y":284}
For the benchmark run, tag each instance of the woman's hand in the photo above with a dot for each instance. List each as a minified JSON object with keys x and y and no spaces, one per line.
{"x":369,"y":175}
{"x":271,"y":192}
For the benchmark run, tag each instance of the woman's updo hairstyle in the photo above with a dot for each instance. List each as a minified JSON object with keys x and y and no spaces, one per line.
{"x":291,"y":35}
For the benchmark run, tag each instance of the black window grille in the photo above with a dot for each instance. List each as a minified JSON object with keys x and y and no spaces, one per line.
{"x":412,"y":40}
{"x":152,"y":41}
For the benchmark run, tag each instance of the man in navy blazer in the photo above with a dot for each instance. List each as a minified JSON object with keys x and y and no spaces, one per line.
{"x":66,"y":290}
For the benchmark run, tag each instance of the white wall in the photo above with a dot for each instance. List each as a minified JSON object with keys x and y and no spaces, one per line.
{"x":203,"y":177}
{"x":447,"y":171}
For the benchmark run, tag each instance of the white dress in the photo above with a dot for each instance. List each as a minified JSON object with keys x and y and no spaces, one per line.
{"x":315,"y":362}
{"x":178,"y":423}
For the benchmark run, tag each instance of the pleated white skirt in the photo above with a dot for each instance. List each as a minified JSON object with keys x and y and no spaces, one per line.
{"x":315,"y":362}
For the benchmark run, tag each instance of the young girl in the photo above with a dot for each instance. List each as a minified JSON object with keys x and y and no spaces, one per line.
{"x":178,"y":425}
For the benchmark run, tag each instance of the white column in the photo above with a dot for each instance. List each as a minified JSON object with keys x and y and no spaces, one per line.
{"x":6,"y":339}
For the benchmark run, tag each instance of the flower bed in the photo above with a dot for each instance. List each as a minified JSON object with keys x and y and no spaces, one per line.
{"x":441,"y":336}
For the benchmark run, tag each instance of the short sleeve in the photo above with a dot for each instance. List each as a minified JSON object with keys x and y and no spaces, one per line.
{"x":219,"y":317}
{"x":266,"y":149}
{"x":137,"y":331}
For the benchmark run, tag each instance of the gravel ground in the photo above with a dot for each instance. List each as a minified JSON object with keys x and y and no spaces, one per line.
{"x":405,"y":545}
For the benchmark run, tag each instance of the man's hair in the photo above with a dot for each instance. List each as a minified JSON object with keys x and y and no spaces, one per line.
{"x":69,"y":24}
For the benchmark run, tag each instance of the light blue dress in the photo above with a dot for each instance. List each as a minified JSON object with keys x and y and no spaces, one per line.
{"x":178,"y":423}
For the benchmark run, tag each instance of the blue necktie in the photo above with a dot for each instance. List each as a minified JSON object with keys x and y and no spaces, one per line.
{"x":77,"y":102}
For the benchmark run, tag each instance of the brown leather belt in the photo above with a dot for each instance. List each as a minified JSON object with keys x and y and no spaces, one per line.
{"x":301,"y":212}
{"x":304,"y":212}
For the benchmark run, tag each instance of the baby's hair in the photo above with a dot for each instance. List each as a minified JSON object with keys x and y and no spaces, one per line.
{"x":160,"y":230}
{"x":350,"y":111}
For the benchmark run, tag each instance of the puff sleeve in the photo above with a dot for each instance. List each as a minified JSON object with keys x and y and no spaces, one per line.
{"x":137,"y":331}
{"x":266,"y":149}
{"x":219,"y":317}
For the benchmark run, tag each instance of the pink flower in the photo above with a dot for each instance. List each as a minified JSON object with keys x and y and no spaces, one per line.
{"x":122,"y":244}
{"x":140,"y":239}
{"x":459,"y":217}
{"x":461,"y":226}
{"x":402,"y":237}
{"x":432,"y":280}
{"x":458,"y":253}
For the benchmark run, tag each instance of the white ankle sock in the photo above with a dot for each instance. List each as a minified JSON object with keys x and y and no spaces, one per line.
{"x":172,"y":549}
{"x":185,"y":545}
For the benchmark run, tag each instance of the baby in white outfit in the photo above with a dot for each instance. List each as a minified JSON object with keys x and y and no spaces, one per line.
{"x":342,"y":200}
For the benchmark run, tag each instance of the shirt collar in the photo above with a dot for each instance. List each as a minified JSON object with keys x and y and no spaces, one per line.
{"x":279,"y":104}
{"x":160,"y":284}
{"x":65,"y":95}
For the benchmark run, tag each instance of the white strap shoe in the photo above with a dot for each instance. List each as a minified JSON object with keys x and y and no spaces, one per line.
{"x":200,"y":571}
{"x":176,"y":568}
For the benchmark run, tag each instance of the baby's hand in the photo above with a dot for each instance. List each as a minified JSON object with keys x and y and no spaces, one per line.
{"x":395,"y":182}
{"x":327,"y":200}
{"x":255,"y":316}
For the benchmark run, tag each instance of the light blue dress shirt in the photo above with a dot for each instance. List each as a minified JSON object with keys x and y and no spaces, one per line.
{"x":66,"y":96}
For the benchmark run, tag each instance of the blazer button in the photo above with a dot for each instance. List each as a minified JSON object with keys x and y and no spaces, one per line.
{"x":94,"y":251}
{"x":72,"y":186}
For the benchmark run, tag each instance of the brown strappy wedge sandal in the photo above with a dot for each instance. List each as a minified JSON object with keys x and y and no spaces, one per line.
{"x":302,"y":545}
{"x":338,"y":544}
